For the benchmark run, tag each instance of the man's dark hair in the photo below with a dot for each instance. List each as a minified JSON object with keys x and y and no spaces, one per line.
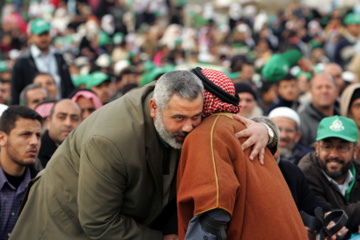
{"x":126,"y":71}
{"x":13,"y":113}
{"x":266,"y":85}
{"x":288,"y":77}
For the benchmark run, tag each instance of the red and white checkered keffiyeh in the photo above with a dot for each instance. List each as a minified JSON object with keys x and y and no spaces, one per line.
{"x":88,"y":95}
{"x":44,"y":109}
{"x":213,"y":104}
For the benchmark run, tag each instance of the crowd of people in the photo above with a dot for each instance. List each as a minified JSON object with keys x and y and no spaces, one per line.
{"x":98,"y":98}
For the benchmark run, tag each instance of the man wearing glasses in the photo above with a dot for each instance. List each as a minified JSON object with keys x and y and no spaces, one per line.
{"x":331,"y":171}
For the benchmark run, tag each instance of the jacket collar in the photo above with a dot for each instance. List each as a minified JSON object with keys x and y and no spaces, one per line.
{"x":154,"y":154}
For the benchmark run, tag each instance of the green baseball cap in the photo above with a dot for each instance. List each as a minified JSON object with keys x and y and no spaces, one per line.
{"x":80,"y":79}
{"x":40,"y":26}
{"x":96,"y":79}
{"x":279,"y":65}
{"x":352,"y":18}
{"x":339,"y":127}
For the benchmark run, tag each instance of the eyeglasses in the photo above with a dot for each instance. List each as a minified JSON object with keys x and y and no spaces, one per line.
{"x":327,"y":147}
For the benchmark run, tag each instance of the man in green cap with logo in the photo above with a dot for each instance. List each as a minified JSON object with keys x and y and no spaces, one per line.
{"x":40,"y":57}
{"x":331,"y":171}
{"x":99,"y":82}
{"x":348,"y":45}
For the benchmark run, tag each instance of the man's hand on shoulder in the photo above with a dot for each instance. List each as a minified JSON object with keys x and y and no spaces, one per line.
{"x":257,"y":137}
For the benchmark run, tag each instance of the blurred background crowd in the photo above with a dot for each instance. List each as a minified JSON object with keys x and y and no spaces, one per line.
{"x":52,"y":49}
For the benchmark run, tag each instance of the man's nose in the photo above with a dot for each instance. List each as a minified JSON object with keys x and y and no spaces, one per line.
{"x":34,"y":140}
{"x":188,"y":126}
{"x":68,"y":121}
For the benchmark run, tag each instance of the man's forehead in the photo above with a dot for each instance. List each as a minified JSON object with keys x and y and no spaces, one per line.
{"x":282,"y":119}
{"x":179,"y":105}
{"x":27,"y":124}
{"x":66,"y":107}
{"x":37,"y":91}
{"x":44,"y":78}
{"x":335,"y":140}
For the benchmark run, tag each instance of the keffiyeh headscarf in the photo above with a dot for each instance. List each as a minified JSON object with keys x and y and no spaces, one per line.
{"x":219,"y":92}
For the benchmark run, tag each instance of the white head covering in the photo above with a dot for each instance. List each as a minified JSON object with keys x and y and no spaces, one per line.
{"x":285,"y":112}
{"x":3,"y":107}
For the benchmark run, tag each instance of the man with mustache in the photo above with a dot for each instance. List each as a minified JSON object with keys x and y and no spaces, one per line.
{"x":331,"y":171}
{"x":64,"y":117}
{"x":288,"y":122}
{"x":20,"y":130}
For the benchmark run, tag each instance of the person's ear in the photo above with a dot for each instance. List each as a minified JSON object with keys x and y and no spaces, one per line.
{"x":317,"y":148}
{"x":3,"y":139}
{"x":153,"y":108}
{"x":48,"y":121}
{"x":356,"y":150}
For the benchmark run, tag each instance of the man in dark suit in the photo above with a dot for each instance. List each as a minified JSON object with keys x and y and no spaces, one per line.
{"x":40,"y":57}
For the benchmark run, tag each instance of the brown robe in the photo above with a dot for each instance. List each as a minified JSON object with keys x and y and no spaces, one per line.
{"x":214,"y":172}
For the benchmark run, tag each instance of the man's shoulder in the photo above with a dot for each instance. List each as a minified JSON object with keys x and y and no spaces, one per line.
{"x":121,"y":120}
{"x":26,"y":54}
{"x":290,"y":168}
{"x":221,"y":122}
{"x":215,"y":125}
{"x":308,"y":162}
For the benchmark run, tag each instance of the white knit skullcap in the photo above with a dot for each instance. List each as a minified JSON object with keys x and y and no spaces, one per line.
{"x":285,"y":112}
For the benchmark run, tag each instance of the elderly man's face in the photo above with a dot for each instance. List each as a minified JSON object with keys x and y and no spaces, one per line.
{"x":289,"y":135}
{"x":46,"y":81}
{"x":336,"y":156}
{"x":65,"y":118}
{"x":36,"y":96}
{"x":323,"y":91}
{"x":177,"y":120}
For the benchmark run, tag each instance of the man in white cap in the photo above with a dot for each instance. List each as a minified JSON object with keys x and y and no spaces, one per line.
{"x":288,"y":122}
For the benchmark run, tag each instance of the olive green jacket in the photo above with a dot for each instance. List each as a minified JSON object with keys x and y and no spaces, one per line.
{"x":105,"y":181}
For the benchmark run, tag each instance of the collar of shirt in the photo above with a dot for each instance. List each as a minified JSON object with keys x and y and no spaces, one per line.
{"x":23,"y":184}
{"x":36,"y":52}
{"x":345,"y":185}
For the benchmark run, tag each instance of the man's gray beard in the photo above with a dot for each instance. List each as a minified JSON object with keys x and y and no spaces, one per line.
{"x":168,"y":137}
